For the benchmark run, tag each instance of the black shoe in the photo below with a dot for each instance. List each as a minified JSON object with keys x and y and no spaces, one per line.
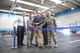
{"x":19,"y":46}
{"x":22,"y":45}
{"x":32,"y":44}
{"x":36,"y":45}
{"x":28,"y":45}
{"x":46,"y":46}
{"x":40,"y":46}
{"x":49,"y":46}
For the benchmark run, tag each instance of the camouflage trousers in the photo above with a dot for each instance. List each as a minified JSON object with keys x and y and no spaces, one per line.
{"x":30,"y":35}
{"x":51,"y":34}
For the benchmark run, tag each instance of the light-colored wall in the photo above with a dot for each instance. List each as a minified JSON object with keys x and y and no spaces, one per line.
{"x":65,"y":20}
{"x":7,"y":22}
{"x":62,"y":21}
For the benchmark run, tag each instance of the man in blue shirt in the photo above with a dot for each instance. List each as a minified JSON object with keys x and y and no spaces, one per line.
{"x":38,"y":33}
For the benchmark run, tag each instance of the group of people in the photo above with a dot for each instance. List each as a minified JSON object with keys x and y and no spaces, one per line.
{"x":35,"y":29}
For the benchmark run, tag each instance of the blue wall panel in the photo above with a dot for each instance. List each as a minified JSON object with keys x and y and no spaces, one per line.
{"x":67,"y":12}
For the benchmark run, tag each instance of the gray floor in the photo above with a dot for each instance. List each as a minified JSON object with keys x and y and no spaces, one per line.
{"x":64,"y":46}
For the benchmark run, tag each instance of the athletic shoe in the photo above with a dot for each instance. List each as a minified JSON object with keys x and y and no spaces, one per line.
{"x":56,"y":46}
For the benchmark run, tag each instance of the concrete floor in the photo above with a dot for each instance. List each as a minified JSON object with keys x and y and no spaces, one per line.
{"x":64,"y":45}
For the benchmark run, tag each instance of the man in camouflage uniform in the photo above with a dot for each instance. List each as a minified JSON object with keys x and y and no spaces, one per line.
{"x":30,"y":31}
{"x":51,"y":33}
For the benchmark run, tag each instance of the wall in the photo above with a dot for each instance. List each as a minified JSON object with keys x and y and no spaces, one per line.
{"x":6,"y":22}
{"x":63,"y":19}
{"x":68,"y":17}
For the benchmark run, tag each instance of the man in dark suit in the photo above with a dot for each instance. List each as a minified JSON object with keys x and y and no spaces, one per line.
{"x":44,"y":32}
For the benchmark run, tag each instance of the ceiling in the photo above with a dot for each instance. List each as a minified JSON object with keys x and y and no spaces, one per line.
{"x":33,"y":6}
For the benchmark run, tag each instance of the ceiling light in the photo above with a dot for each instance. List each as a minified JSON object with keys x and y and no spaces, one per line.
{"x":49,"y":8}
{"x":72,"y":8}
{"x":20,"y":8}
{"x":57,"y":1}
{"x":11,"y":12}
{"x":63,"y":4}
{"x":53,"y":14}
{"x":39,"y":12}
{"x":31,"y":4}
{"x":4,"y":10}
{"x":14,"y":0}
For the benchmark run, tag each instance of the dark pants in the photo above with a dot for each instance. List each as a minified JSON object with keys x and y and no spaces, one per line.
{"x":20,"y":35}
{"x":31,"y":39}
{"x":45,"y":37}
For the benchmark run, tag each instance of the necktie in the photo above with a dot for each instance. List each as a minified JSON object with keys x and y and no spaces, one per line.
{"x":23,"y":21}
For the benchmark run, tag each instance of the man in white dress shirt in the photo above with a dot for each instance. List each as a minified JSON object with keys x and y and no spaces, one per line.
{"x":20,"y":30}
